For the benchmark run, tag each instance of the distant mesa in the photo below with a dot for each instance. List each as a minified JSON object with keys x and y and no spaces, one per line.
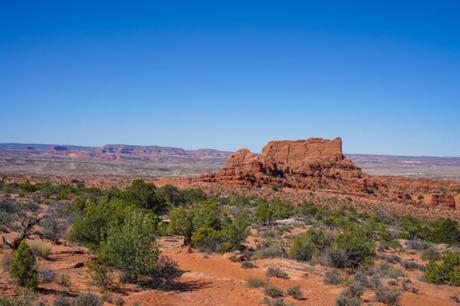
{"x":298,"y":164}
{"x":319,"y":164}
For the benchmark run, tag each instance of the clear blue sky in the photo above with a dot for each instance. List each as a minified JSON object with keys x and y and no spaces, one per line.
{"x":384,"y":75}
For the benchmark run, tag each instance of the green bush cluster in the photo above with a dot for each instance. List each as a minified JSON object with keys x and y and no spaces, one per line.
{"x":445,"y":271}
{"x":351,"y":249}
{"x":267,"y":212}
{"x":207,"y":226}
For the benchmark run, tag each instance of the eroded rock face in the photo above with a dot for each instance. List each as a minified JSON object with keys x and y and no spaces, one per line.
{"x":315,"y":162}
{"x":443,"y":200}
{"x":299,"y":156}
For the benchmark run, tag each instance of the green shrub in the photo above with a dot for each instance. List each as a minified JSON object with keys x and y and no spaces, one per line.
{"x":207,"y":238}
{"x":40,"y":249}
{"x":131,"y":245}
{"x":269,"y":249}
{"x":263,"y":213}
{"x":302,"y":249}
{"x":273,"y":291}
{"x":276,"y":272}
{"x":255,"y":282}
{"x":281,"y":210}
{"x":87,"y":299}
{"x":387,"y":296}
{"x":173,"y":196}
{"x":333,"y":277}
{"x":352,"y":249}
{"x":144,"y":195}
{"x":26,"y":299}
{"x":431,"y":254}
{"x":447,"y":271}
{"x":248,"y":265}
{"x":99,"y":274}
{"x":181,"y":224}
{"x":208,"y":214}
{"x":295,"y":292}
{"x":444,"y":231}
{"x":23,"y":269}
{"x":91,"y":227}
{"x":235,"y":232}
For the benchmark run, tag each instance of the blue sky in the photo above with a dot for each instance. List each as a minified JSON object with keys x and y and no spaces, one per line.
{"x":383,"y":75}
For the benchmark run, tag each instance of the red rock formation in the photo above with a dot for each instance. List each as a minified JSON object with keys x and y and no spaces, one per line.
{"x":299,"y":156}
{"x":312,"y":163}
{"x":443,"y":200}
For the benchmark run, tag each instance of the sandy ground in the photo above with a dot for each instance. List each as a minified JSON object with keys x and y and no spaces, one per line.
{"x":213,"y":279}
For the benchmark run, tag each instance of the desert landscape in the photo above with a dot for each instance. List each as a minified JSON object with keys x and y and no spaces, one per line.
{"x":229,"y":153}
{"x":298,"y":224}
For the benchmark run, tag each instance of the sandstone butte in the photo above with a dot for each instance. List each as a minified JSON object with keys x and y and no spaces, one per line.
{"x":319,"y":164}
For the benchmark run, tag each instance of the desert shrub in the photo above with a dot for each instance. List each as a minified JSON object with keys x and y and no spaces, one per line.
{"x":23,"y":269}
{"x":295,"y":292}
{"x":53,"y":229}
{"x":302,"y":249}
{"x":181,"y":224}
{"x":281,"y":210}
{"x":263,"y":214}
{"x":275,"y":302}
{"x":390,"y":258}
{"x":173,"y":196}
{"x":130,"y":246}
{"x":63,"y":280}
{"x":276,"y":272}
{"x":388,"y":270}
{"x":46,"y":276}
{"x":248,"y":265}
{"x":194,"y":195}
{"x":361,"y":279}
{"x":208,"y":214}
{"x":26,"y":299}
{"x":8,"y":211}
{"x":343,"y":300}
{"x":235,"y":232}
{"x":206,"y":238}
{"x":444,"y":231}
{"x":87,"y":299}
{"x":446,"y":271}
{"x":269,"y":249}
{"x":144,"y":195}
{"x":411,"y":265}
{"x":416,"y":244}
{"x":106,"y":298}
{"x":90,"y":228}
{"x":6,"y":262}
{"x":61,"y":301}
{"x":333,"y":277}
{"x":352,"y":249}
{"x":350,"y":296}
{"x":431,"y":254}
{"x":255,"y":282}
{"x":273,"y":291}
{"x":119,"y":301}
{"x":375,"y":281}
{"x":40,"y":249}
{"x":99,"y":274}
{"x":387,"y":296}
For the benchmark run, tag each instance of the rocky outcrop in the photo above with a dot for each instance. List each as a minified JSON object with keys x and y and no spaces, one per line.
{"x":311,"y":163}
{"x":443,"y":200}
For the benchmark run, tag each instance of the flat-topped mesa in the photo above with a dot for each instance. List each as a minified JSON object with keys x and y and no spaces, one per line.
{"x":299,"y":156}
{"x":315,"y":162}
